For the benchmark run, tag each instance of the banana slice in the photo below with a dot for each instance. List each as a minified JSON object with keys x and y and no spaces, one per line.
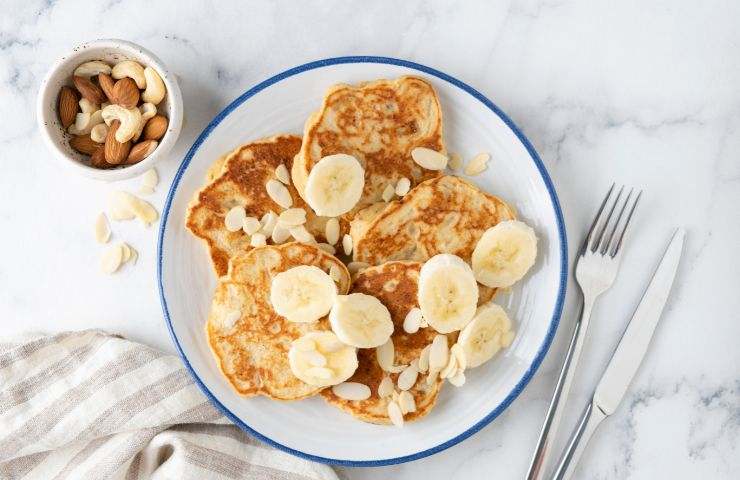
{"x":360,"y":320}
{"x":302,"y":294}
{"x":337,"y":362}
{"x":335,"y":185}
{"x":504,"y":254}
{"x":448,"y":293}
{"x":485,"y":335}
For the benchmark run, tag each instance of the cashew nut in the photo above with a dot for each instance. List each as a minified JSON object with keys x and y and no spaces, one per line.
{"x":86,"y":106}
{"x":90,"y":69}
{"x":84,"y":122}
{"x":148,"y":110}
{"x":130,"y":119}
{"x":99,"y":132}
{"x":129,"y":68}
{"x":155,"y":91}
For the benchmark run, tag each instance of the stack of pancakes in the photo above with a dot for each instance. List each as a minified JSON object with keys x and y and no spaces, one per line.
{"x":379,"y":123}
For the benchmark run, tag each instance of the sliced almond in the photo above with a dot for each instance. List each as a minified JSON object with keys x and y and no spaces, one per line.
{"x":234,"y":219}
{"x":386,"y":355}
{"x":102,"y":229}
{"x":439,"y":353}
{"x":449,"y":369}
{"x":268,"y":222}
{"x":292,"y":217}
{"x":280,"y":234}
{"x":406,"y":402}
{"x":477,"y":165}
{"x":388,"y":193}
{"x":335,"y":273}
{"x":347,"y":244}
{"x":459,"y":354}
{"x":458,"y":379}
{"x":301,"y":234}
{"x":351,"y":391}
{"x":331,"y":231}
{"x":258,"y":240}
{"x":385,"y":388}
{"x":125,"y":206}
{"x":134,"y":255}
{"x":251,"y":225}
{"x":424,"y":359}
{"x":395,"y":414}
{"x":111,"y":259}
{"x":279,"y":193}
{"x":327,"y":248}
{"x":357,"y":267}
{"x":455,"y":161}
{"x":407,"y":378}
{"x":428,"y":158}
{"x":126,"y":252}
{"x":150,"y":178}
{"x":412,"y":322}
{"x":281,"y":172}
{"x":403,"y":186}
{"x":432,"y":377}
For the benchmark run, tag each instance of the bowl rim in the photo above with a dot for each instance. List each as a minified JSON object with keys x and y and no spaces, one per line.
{"x":174,"y":97}
{"x":557,"y":311}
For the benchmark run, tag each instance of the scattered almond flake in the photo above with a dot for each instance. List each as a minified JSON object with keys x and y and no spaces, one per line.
{"x":394,"y":413}
{"x":458,"y":379}
{"x":347,"y":244}
{"x":428,"y":158}
{"x":396,"y":368}
{"x":292,"y":217}
{"x":320,"y":372}
{"x":301,"y":234}
{"x":258,"y":240}
{"x":414,"y":363}
{"x":403,"y":186}
{"x":268,"y":222}
{"x":438,"y":353}
{"x":231,"y":318}
{"x":455,"y":161}
{"x":507,"y":338}
{"x":357,"y":267}
{"x":134,"y":255}
{"x":251,"y":225}
{"x":331,"y":231}
{"x":477,"y":164}
{"x":335,"y":273}
{"x":279,"y":194}
{"x":450,"y":369}
{"x":280,"y":234}
{"x":412,"y":321}
{"x":385,"y":389}
{"x":314,"y":358}
{"x":126,"y":252}
{"x":407,"y":378}
{"x":327,"y":248}
{"x":111,"y":259}
{"x":304,"y":344}
{"x":424,"y":359}
{"x":281,"y":172}
{"x":406,"y":402}
{"x":423,"y":323}
{"x":119,"y":206}
{"x":275,"y":328}
{"x":351,"y":391}
{"x":394,"y":396}
{"x":459,"y":354}
{"x":388,"y":193}
{"x":386,"y":355}
{"x":150,"y":179}
{"x":432,"y":377}
{"x":234,"y":219}
{"x":143,"y":210}
{"x":102,"y":229}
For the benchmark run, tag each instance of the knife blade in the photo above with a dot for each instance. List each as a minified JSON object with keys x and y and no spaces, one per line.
{"x":636,"y":339}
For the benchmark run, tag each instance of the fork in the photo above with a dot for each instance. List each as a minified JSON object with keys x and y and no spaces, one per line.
{"x":596,"y":268}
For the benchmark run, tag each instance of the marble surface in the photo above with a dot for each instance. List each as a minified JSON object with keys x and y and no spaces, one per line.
{"x":643,"y":93}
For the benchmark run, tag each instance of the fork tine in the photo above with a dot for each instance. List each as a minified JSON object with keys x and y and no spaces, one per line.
{"x":618,"y":246}
{"x":600,"y":239}
{"x":608,"y":243}
{"x":588,"y":244}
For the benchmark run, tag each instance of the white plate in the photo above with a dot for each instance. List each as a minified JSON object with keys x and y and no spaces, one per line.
{"x":310,"y":428}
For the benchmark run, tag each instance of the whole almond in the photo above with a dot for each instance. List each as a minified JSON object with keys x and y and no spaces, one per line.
{"x":68,"y":106}
{"x":140,"y":151}
{"x":106,"y":84}
{"x":83,"y":144}
{"x":115,"y":151}
{"x":125,"y":93}
{"x":156,"y":127}
{"x":97,"y":159}
{"x":89,"y":90}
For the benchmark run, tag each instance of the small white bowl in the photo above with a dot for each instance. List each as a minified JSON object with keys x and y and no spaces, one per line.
{"x":110,"y":51}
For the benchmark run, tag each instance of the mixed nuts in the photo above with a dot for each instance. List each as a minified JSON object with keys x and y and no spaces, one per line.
{"x":111,"y":112}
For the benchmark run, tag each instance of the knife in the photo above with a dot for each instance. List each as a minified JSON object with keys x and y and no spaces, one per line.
{"x":627,"y":357}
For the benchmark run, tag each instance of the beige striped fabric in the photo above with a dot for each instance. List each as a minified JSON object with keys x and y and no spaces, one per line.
{"x":90,"y":405}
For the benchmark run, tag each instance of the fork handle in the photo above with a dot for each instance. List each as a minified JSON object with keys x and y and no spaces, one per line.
{"x":542,"y":455}
{"x":590,"y":420}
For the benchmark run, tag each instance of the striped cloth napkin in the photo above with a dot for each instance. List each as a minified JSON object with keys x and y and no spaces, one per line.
{"x":93,"y":405}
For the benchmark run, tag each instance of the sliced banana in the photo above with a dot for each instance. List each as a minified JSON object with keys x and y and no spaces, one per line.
{"x":504,"y":254}
{"x":340,"y":364}
{"x":360,"y":320}
{"x":448,"y":293}
{"x":485,"y":335}
{"x":302,"y":294}
{"x":335,"y":185}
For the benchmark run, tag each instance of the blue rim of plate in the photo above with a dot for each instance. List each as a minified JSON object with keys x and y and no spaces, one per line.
{"x":553,"y":198}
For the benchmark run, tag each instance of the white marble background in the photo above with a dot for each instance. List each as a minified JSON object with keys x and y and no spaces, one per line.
{"x":644,"y":93}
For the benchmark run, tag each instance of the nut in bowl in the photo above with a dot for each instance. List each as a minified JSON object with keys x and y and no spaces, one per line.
{"x":110,"y":109}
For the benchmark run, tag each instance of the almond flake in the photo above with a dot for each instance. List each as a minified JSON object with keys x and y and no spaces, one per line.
{"x":251,"y":225}
{"x":394,"y":396}
{"x":455,"y":161}
{"x":477,"y":165}
{"x":357,"y":267}
{"x":386,"y":355}
{"x":351,"y":391}
{"x":406,"y":402}
{"x":450,"y":369}
{"x":335,"y":273}
{"x":268,"y":222}
{"x":424,"y":359}
{"x":432,"y":377}
{"x":258,"y":240}
{"x":279,"y":194}
{"x":403,"y":186}
{"x":327,"y":248}
{"x":125,"y":206}
{"x":280,"y":234}
{"x":407,"y":378}
{"x":301,"y":234}
{"x":234,"y":219}
{"x":439,"y":353}
{"x":428,"y":158}
{"x":459,"y":354}
{"x":385,"y":389}
{"x":412,"y":321}
{"x":134,"y":255}
{"x":281,"y":172}
{"x":314,"y":358}
{"x":331,"y":231}
{"x":347,"y":244}
{"x":102,"y":229}
{"x":388,"y":193}
{"x":292,"y":217}
{"x":304,"y":344}
{"x":126,"y":252}
{"x":150,"y":179}
{"x":111,"y":259}
{"x":458,"y":379}
{"x":320,"y":372}
{"x":394,"y":413}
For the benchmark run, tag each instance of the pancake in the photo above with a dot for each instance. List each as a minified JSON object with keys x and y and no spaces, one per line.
{"x":395,"y":285}
{"x":379,"y":123}
{"x":239,"y":178}
{"x":248,"y":338}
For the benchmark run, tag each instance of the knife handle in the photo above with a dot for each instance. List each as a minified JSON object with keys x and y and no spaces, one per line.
{"x":590,"y":420}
